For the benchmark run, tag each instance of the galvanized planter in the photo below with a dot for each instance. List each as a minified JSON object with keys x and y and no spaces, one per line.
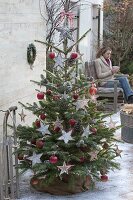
{"x":127,"y":127}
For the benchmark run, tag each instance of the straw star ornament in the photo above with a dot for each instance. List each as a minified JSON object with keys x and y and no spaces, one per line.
{"x":93,"y":155}
{"x":58,"y":123}
{"x":22,"y":115}
{"x":64,"y":168}
{"x":112,"y":124}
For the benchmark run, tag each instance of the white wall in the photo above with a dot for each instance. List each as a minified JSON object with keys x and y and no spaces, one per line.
{"x":88,"y":13}
{"x":20,"y":24}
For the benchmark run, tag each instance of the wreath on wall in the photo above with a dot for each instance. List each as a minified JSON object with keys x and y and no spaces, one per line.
{"x":31,"y":54}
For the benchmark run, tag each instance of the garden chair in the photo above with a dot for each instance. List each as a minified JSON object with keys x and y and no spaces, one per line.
{"x":114,"y":96}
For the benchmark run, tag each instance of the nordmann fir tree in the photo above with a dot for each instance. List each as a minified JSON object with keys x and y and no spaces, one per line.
{"x":68,"y":147}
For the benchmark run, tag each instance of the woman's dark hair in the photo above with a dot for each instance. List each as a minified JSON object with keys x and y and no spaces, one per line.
{"x":102,"y":51}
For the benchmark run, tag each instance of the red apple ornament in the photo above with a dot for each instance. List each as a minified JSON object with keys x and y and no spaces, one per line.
{"x":40,"y":95}
{"x":93,"y":90}
{"x":39,"y":144}
{"x":93,"y":130}
{"x":75,"y":96}
{"x":72,"y":122}
{"x":104,"y":178}
{"x":37,"y":123}
{"x":53,"y":159}
{"x":42,"y":116}
{"x":51,"y":55}
{"x":74,"y":55}
{"x":33,"y":141}
{"x":57,"y":129}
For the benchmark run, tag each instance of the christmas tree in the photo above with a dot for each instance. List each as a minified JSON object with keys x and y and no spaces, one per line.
{"x":68,"y":146}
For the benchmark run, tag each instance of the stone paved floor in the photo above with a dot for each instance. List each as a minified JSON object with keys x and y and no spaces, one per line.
{"x":119,"y":186}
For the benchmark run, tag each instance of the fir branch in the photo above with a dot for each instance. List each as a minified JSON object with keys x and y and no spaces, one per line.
{"x":83,"y":36}
{"x":53,"y":75}
{"x":51,"y":45}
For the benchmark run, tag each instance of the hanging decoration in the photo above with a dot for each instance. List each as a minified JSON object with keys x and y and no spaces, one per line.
{"x":81,"y":104}
{"x":74,"y":55}
{"x":64,"y":168}
{"x":31,"y":55}
{"x":44,"y":129}
{"x":35,"y":158}
{"x":58,"y":61}
{"x":93,"y":89}
{"x":22,"y":115}
{"x":93,"y":155}
{"x":69,"y":15}
{"x":86,"y":132}
{"x":64,"y":96}
{"x":112,"y":124}
{"x":58,"y":123}
{"x":51,"y":55}
{"x":66,"y":136}
{"x":65,"y":33}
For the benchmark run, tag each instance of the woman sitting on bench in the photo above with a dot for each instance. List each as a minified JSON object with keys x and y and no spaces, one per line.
{"x":105,"y":71}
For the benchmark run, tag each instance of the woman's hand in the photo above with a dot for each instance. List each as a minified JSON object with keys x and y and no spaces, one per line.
{"x":115,"y":69}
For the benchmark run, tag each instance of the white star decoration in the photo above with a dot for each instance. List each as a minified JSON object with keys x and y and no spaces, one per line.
{"x":58,"y":61}
{"x":64,"y":168}
{"x":93,"y":155}
{"x":58,"y":123}
{"x":80,"y":104}
{"x":66,"y":136}
{"x":35,"y":158}
{"x":65,"y":32}
{"x":86,"y":132}
{"x":44,"y":129}
{"x":68,"y":83}
{"x":65,"y":96}
{"x":111,"y":124}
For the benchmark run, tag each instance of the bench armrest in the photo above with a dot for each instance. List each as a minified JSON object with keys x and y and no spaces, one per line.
{"x":113,"y":81}
{"x":121,"y":75}
{"x":115,"y":84}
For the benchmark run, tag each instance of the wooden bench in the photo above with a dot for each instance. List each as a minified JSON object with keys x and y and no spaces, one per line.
{"x":114,"y":96}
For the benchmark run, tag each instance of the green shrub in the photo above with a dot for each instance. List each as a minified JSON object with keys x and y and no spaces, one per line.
{"x":127,"y":68}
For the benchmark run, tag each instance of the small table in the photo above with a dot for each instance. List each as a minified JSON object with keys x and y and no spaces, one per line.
{"x":127,"y":127}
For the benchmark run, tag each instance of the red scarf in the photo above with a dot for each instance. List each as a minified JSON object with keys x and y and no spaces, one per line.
{"x":108,"y":61}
